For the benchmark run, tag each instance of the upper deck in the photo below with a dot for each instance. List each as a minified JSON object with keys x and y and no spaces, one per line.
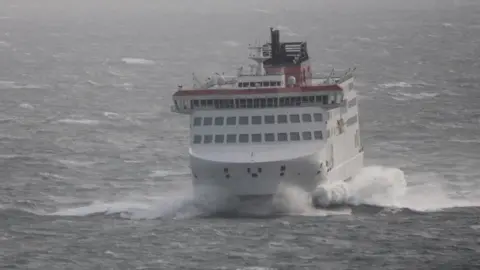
{"x":282,"y":77}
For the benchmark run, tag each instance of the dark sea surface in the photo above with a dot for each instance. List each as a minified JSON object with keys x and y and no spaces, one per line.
{"x":94,"y":169}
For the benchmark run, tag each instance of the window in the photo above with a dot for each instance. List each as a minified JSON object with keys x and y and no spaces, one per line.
{"x":249,"y":103}
{"x":294,"y":118}
{"x":294,"y":136}
{"x":219,"y":138}
{"x":219,"y":121}
{"x":231,"y":138}
{"x":197,"y":121}
{"x":269,"y":137}
{"x":282,"y":118}
{"x":243,"y":120}
{"x":306,"y":117}
{"x":256,"y":120}
{"x":352,"y":102}
{"x":269,"y":119}
{"x":207,"y":138}
{"x":318,"y":117}
{"x":318,"y":135}
{"x":307,"y":135}
{"x":352,"y":120}
{"x":197,"y":139}
{"x":231,"y":121}
{"x":207,"y":121}
{"x":257,"y":137}
{"x":243,"y":138}
{"x":282,"y":137}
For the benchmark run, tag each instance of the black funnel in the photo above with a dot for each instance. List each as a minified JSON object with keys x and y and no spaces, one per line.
{"x":275,"y":41}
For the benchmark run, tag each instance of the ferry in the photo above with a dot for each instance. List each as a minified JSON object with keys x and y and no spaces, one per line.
{"x":275,"y":124}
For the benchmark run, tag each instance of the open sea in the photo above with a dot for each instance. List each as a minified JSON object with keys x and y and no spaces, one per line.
{"x":94,"y":170}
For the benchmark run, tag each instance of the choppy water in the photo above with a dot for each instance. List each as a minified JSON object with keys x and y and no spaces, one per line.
{"x":94,"y":168}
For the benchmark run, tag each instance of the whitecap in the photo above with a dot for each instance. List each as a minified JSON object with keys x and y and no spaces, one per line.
{"x":262,"y":11}
{"x":76,"y":163}
{"x":79,"y":121}
{"x":111,"y":115}
{"x":164,"y":173}
{"x":4,"y":44}
{"x":395,"y":85}
{"x":26,"y":106}
{"x":137,"y":61}
{"x":403,"y":96}
{"x":231,"y":43}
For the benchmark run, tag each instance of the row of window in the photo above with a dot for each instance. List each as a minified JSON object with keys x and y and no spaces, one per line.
{"x":259,"y":84}
{"x":332,"y":98}
{"x":254,"y":138}
{"x":257,"y":120}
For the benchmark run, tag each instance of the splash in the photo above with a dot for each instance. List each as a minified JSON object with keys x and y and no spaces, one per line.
{"x":387,"y":187}
{"x":174,"y":205}
{"x":373,"y":185}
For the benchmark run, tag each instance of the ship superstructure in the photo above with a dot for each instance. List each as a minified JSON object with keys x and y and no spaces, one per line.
{"x":273,"y":124}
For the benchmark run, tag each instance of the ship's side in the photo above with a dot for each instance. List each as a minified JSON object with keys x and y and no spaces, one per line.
{"x":253,"y":133}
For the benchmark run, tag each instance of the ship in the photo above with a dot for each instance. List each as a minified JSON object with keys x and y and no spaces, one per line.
{"x":275,"y":124}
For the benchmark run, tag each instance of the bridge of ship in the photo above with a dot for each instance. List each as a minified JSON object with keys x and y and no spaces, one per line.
{"x":321,"y":95}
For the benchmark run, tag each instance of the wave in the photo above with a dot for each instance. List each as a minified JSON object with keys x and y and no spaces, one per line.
{"x":403,"y":96}
{"x":5,"y":85}
{"x":375,"y":189}
{"x":137,"y":61}
{"x":79,"y":121}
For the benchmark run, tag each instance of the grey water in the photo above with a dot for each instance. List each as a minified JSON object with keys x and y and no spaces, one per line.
{"x":94,"y":167}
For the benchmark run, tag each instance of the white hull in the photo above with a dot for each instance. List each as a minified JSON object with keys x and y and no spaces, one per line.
{"x":245,"y":179}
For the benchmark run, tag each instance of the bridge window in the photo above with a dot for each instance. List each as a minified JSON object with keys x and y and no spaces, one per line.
{"x":256,"y":120}
{"x":219,"y":138}
{"x":197,"y":139}
{"x":243,"y":138}
{"x":207,"y":121}
{"x":243,"y":120}
{"x":207,"y":139}
{"x":231,"y":138}
{"x":318,"y":117}
{"x":306,"y":135}
{"x":318,"y":135}
{"x":197,"y":121}
{"x":231,"y":121}
{"x":269,"y":137}
{"x":282,"y":137}
{"x":294,"y":136}
{"x":294,"y":118}
{"x":219,"y":121}
{"x":256,"y":137}
{"x":269,"y":119}
{"x":282,"y":118}
{"x":306,"y":117}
